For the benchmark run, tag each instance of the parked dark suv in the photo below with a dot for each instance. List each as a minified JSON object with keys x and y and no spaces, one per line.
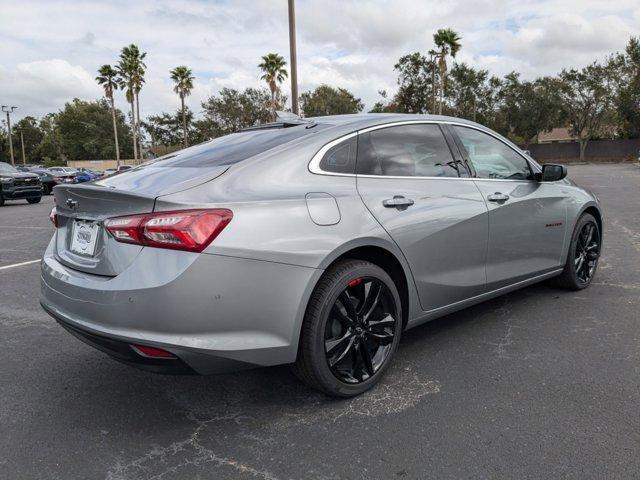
{"x":16,"y":185}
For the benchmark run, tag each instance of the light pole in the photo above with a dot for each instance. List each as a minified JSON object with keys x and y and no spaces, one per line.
{"x":24,"y":161}
{"x":8,"y":110}
{"x":292,"y":55}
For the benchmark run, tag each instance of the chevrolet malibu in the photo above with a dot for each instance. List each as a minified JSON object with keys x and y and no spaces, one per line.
{"x":315,"y":243}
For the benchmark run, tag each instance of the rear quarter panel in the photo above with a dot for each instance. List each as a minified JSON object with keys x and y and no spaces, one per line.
{"x":271,"y":220}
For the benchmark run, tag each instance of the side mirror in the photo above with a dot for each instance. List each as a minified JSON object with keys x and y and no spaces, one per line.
{"x":552,"y":173}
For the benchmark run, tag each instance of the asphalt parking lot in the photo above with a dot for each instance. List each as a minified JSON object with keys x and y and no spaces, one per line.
{"x":541,"y":383}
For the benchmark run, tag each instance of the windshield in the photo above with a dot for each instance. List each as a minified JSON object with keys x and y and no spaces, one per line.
{"x":232,"y":148}
{"x":6,"y":168}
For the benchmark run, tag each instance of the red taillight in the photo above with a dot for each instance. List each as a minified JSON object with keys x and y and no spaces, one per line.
{"x":152,"y":352}
{"x":53,"y":216}
{"x":191,"y":230}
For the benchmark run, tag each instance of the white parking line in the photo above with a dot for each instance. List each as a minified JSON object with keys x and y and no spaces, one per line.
{"x":19,"y":264}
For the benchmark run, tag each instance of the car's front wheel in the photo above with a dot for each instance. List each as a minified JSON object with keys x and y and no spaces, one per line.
{"x":351,"y":329}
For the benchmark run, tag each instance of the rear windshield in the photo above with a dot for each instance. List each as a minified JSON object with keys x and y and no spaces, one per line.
{"x":232,"y":148}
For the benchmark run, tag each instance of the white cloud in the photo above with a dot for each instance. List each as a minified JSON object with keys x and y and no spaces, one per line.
{"x":46,"y":84}
{"x":51,"y":49}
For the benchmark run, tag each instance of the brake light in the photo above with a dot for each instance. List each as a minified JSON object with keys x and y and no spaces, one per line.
{"x":53,"y":216}
{"x":191,"y":230}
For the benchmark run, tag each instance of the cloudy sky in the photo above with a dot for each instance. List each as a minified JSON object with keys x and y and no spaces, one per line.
{"x":50,"y":49}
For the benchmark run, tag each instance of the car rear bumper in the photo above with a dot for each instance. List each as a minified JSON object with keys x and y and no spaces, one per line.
{"x":214,"y":313}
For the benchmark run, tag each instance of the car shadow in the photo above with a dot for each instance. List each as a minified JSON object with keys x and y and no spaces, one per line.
{"x":114,"y":383}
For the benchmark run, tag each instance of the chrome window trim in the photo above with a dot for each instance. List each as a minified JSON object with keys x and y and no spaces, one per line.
{"x":314,"y":164}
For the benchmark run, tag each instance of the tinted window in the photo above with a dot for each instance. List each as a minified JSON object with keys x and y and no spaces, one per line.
{"x":232,"y":148}
{"x":340,"y":158}
{"x":491,"y":158}
{"x":418,"y":150}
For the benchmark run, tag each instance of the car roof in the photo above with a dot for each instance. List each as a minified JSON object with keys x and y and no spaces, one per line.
{"x":360,"y":120}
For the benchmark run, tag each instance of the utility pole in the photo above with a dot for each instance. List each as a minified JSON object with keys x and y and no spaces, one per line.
{"x":292,"y":55}
{"x":9,"y":110}
{"x":24,"y":161}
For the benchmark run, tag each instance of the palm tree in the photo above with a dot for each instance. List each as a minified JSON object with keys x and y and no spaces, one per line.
{"x":448,"y":43}
{"x":184,"y":84}
{"x":108,"y":78}
{"x":274,"y":74}
{"x":131,"y":69}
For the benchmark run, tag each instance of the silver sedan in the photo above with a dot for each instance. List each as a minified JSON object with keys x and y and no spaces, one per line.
{"x":314,"y":243}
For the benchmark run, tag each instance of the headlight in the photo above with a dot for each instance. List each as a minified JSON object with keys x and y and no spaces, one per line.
{"x":6,"y":180}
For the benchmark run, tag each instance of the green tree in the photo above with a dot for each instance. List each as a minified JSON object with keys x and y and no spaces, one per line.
{"x":49,"y":150}
{"x":83,"y":130}
{"x":326,"y":100}
{"x":465,"y":90}
{"x":529,"y":107}
{"x":627,"y":101}
{"x":4,"y":143}
{"x":32,"y":136}
{"x":232,"y":110}
{"x":183,"y":79}
{"x":164,"y":129}
{"x":587,"y":101}
{"x":108,"y":78}
{"x":415,"y":83}
{"x":273,"y":72}
{"x":131,"y":69}
{"x":385,"y":105}
{"x":448,"y":43}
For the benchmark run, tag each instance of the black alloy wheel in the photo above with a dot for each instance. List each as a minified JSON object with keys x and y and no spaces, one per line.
{"x":587,"y":252}
{"x":584,"y":253}
{"x":360,"y":330}
{"x":351,"y":329}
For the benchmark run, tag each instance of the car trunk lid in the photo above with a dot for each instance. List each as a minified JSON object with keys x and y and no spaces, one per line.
{"x":83,"y":244}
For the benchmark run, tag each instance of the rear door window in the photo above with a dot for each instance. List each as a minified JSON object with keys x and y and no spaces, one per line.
{"x":416,"y":150}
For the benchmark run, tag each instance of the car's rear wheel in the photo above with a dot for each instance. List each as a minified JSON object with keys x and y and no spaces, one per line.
{"x":45,"y":189}
{"x":34,"y":199}
{"x":351,"y":329}
{"x":583,"y":256}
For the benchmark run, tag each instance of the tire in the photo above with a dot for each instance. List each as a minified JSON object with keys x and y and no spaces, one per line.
{"x":364,"y":335}
{"x":33,"y":200}
{"x":45,"y":189}
{"x":573,"y":276}
{"x":1,"y":201}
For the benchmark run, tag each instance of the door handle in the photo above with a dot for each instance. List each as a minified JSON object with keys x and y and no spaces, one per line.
{"x":498,"y":197}
{"x":398,"y":201}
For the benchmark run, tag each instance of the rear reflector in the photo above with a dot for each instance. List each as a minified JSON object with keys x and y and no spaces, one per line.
{"x":191,"y":230}
{"x":152,"y":352}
